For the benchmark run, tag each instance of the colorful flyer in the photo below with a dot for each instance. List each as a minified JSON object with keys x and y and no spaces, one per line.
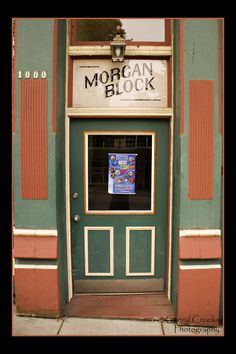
{"x":121,"y":173}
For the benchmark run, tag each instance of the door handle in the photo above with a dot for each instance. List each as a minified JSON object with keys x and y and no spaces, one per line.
{"x":76,"y":218}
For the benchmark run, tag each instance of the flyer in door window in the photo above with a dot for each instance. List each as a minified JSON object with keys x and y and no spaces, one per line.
{"x":121,"y":178}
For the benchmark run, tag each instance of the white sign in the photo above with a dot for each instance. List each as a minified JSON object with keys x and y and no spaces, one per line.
{"x":133,"y":83}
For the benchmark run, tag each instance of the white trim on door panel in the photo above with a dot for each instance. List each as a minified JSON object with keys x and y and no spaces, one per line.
{"x":86,"y":256}
{"x":148,"y":228}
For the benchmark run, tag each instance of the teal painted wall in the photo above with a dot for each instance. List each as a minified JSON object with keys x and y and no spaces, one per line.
{"x":200,"y":63}
{"x":34,"y":51}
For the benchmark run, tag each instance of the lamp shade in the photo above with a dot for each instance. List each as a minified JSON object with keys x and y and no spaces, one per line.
{"x":117,"y":47}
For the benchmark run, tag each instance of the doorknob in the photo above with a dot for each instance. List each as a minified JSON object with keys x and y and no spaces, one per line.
{"x":76,"y":218}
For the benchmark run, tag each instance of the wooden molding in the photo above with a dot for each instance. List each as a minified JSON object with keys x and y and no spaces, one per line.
{"x":97,"y":112}
{"x":104,"y":50}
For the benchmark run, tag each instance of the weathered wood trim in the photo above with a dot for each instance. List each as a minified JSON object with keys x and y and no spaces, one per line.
{"x":94,"y":50}
{"x":119,"y":112}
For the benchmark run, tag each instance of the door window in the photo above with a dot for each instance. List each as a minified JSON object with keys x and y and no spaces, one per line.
{"x":119,"y":170}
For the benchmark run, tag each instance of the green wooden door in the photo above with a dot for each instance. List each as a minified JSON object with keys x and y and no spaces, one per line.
{"x":119,"y":243}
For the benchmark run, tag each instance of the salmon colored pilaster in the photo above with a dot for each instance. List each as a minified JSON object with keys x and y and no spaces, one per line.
{"x":201,"y":140}
{"x":37,"y":292}
{"x":198,"y":296}
{"x":200,"y":247}
{"x":34,"y":138}
{"x":43,"y":247}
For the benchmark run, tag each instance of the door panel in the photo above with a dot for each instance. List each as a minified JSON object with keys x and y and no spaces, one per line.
{"x":140,"y":251}
{"x":119,"y":238}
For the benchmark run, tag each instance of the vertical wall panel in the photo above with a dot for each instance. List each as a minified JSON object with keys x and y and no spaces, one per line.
{"x":13,"y":76}
{"x":201,"y":139}
{"x":34,"y":138}
{"x":54,"y":92}
{"x":220,"y":75}
{"x":181,"y":64}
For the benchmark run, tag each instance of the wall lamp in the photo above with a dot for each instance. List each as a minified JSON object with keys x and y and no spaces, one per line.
{"x":117,"y":46}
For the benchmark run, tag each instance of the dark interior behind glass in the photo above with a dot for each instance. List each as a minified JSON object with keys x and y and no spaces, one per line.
{"x":98,"y":148}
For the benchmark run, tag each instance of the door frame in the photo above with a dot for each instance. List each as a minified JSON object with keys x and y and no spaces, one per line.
{"x":110,"y":113}
{"x":80,"y":115}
